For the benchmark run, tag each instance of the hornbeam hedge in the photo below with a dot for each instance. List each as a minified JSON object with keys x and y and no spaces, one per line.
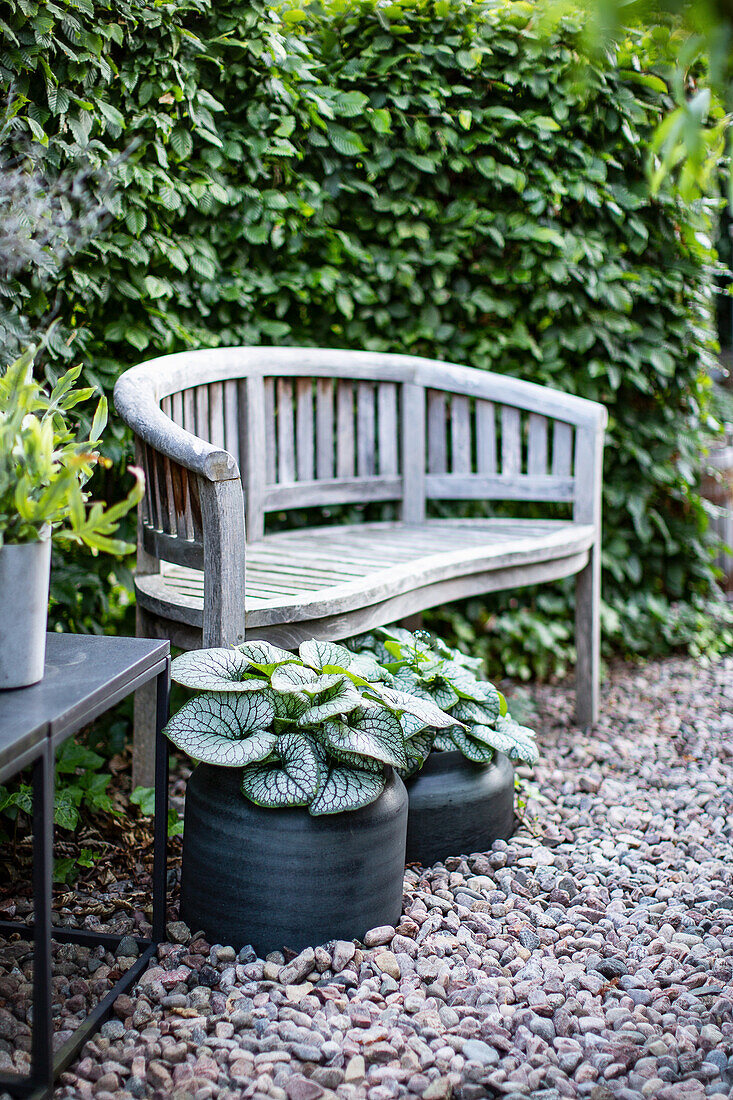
{"x":434,"y":176}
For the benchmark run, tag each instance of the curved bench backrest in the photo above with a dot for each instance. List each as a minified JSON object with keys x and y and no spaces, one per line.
{"x":314,"y":427}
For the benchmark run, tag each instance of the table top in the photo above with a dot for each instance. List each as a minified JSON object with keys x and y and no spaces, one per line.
{"x":84,"y":675}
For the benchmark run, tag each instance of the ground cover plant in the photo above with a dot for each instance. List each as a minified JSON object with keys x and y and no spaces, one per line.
{"x":429,"y":177}
{"x":315,"y":729}
{"x":426,"y":667}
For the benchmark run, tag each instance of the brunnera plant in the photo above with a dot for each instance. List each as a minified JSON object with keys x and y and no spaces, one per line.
{"x":316,"y":729}
{"x":424,"y":666}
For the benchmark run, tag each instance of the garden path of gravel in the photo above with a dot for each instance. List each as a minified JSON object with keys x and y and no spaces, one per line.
{"x":590,"y":956}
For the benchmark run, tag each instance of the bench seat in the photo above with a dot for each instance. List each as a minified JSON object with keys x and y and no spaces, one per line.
{"x":333,"y":581}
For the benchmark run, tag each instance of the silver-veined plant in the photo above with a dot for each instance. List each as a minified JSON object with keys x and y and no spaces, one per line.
{"x":425,"y":667}
{"x":316,"y":729}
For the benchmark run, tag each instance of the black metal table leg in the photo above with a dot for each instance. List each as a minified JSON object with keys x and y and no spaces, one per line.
{"x":42,"y":1042}
{"x":160,"y":849}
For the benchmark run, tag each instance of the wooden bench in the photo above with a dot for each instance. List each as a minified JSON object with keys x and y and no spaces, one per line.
{"x":314,"y":428}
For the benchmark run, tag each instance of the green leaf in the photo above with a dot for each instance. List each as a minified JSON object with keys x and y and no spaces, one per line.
{"x":344,"y":141}
{"x":330,"y":696}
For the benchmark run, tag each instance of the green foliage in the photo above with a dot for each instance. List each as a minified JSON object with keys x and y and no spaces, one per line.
{"x":81,"y":783}
{"x":144,"y":797}
{"x":428,"y":177}
{"x":44,"y":466}
{"x":426,"y":667}
{"x":307,"y":730}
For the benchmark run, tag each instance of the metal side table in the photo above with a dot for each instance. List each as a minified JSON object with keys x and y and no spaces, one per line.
{"x":84,"y":676}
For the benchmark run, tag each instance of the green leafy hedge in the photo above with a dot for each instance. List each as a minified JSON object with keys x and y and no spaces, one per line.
{"x":433,"y":176}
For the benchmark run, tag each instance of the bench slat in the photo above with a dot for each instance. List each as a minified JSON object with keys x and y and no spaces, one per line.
{"x":485,"y":438}
{"x":437,"y":442}
{"x":365,"y":429}
{"x":511,"y":441}
{"x":345,"y":429}
{"x":285,"y":432}
{"x":304,"y":428}
{"x":387,"y":437}
{"x":324,"y":428}
{"x":537,"y":445}
{"x":460,"y":419}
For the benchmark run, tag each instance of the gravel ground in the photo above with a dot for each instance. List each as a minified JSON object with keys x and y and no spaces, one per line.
{"x":591,"y":956}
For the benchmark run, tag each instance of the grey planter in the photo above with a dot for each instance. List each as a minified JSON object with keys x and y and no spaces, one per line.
{"x":25,"y":570}
{"x":457,"y":807}
{"x":281,"y":878}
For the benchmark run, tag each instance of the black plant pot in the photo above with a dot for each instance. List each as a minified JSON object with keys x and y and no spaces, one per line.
{"x":457,"y":807}
{"x":281,"y":878}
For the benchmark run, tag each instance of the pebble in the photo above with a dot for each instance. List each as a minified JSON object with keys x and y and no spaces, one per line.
{"x":588,"y":956}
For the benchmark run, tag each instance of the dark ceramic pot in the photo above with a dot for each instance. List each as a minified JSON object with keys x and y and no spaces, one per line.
{"x":457,"y":807}
{"x":281,"y":878}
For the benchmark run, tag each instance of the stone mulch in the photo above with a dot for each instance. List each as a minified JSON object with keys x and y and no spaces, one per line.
{"x":590,"y":956}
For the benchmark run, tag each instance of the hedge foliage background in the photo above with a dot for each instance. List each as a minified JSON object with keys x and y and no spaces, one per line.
{"x":432,"y":176}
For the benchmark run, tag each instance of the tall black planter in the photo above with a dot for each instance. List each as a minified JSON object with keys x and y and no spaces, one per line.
{"x":457,"y":807}
{"x":281,"y":878}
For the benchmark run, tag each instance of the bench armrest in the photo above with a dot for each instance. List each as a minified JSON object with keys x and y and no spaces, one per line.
{"x":137,"y":402}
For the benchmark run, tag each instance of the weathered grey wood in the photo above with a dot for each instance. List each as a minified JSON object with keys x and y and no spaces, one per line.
{"x":304,"y":428}
{"x":387,"y":432}
{"x":231,"y":418}
{"x":537,"y":445}
{"x":170,"y":373}
{"x":285,"y":432}
{"x":485,"y":437}
{"x":413,"y":453}
{"x":255,"y":473}
{"x":216,"y":415}
{"x":460,"y":419}
{"x":324,"y":428}
{"x":270,"y":433}
{"x":343,"y":490}
{"x":511,"y":441}
{"x":201,"y":400}
{"x":562,"y":449}
{"x":461,"y":549}
{"x":588,"y":481}
{"x":222,"y":506}
{"x":345,"y":429}
{"x":437,"y":432}
{"x":499,"y":487}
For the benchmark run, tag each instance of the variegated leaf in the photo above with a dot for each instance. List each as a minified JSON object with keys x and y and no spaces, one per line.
{"x":374,"y":732}
{"x":290,"y":706}
{"x":369,"y":668}
{"x":291,"y":678}
{"x":418,"y":750}
{"x":224,"y":728}
{"x":444,"y":742}
{"x":476,"y":751}
{"x":301,"y":760}
{"x":269,"y":785}
{"x":353,"y":758}
{"x":472,"y":714}
{"x":411,"y":725}
{"x":347,"y":789}
{"x":216,"y":670}
{"x":516,"y":741}
{"x":265,"y":656}
{"x":317,"y":654}
{"x":424,"y":709}
{"x":339,"y":697}
{"x":443,"y":694}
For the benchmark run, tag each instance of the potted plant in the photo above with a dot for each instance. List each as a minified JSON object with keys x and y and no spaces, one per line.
{"x":461,"y":785}
{"x":295,"y":818}
{"x":45,"y":464}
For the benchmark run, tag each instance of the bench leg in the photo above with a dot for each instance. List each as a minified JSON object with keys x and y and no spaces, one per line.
{"x":588,"y":640}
